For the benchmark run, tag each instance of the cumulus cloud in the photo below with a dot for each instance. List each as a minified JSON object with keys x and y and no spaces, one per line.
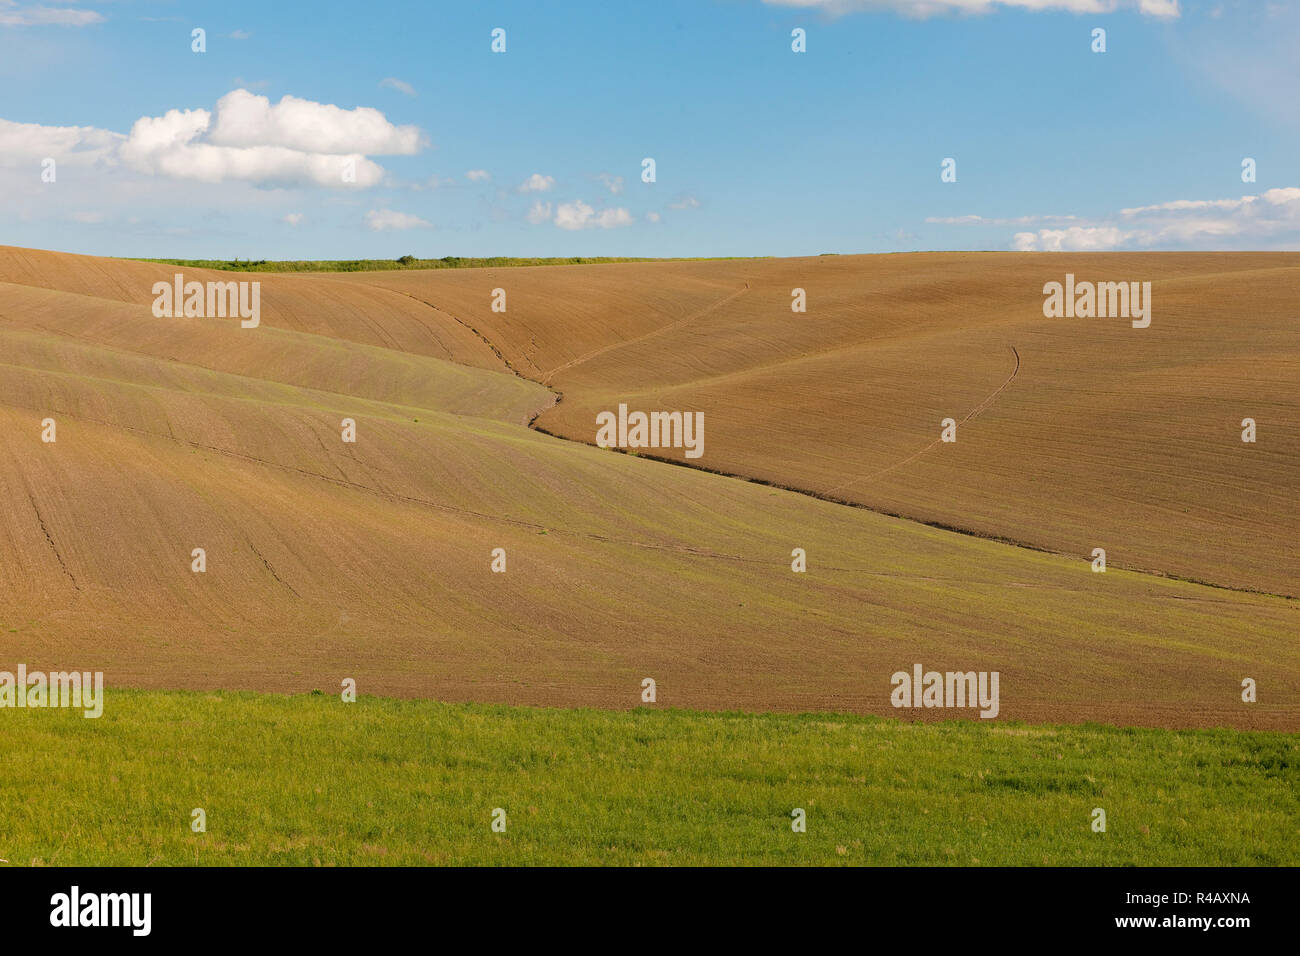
{"x":293,"y":142}
{"x":1270,"y":219}
{"x":14,"y":15}
{"x":292,"y":219}
{"x":171,"y":145}
{"x":393,"y":83}
{"x":540,"y":212}
{"x":478,"y":175}
{"x":245,"y":119}
{"x":653,"y":216}
{"x":1162,"y":9}
{"x":578,"y":215}
{"x":613,"y":183}
{"x":379,"y":220}
{"x":537,"y":183}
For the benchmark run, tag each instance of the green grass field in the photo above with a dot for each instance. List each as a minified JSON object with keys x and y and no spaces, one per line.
{"x":312,"y":780}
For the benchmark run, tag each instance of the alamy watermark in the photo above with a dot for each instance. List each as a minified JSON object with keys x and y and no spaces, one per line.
{"x":75,"y":689}
{"x":651,"y":430}
{"x":75,"y":908}
{"x":1101,"y":300}
{"x":950,"y":689}
{"x":213,"y":300}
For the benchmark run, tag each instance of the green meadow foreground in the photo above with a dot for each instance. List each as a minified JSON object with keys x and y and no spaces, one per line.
{"x":310,"y":780}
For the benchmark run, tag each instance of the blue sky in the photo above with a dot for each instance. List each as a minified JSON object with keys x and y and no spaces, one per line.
{"x":758,"y":150}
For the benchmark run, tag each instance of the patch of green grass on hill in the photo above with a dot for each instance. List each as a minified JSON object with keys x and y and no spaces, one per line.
{"x":313,"y":780}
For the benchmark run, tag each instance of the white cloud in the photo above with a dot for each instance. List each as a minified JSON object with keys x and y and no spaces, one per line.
{"x":245,"y":119}
{"x":685,"y":202}
{"x":574,"y":215}
{"x":578,"y":215}
{"x":238,"y":35}
{"x":540,"y":212}
{"x":478,"y":175}
{"x":393,"y":83}
{"x":611,"y":218}
{"x":982,"y":221}
{"x":1275,"y":197}
{"x":1281,"y":197}
{"x":23,"y":142}
{"x":1271,"y":219}
{"x":292,"y":219}
{"x":537,"y":183}
{"x":1163,"y":9}
{"x":380,"y":219}
{"x":1073,"y":239}
{"x":295,"y":142}
{"x":613,"y":183}
{"x":653,"y":216}
{"x":13,"y":15}
{"x":171,"y":145}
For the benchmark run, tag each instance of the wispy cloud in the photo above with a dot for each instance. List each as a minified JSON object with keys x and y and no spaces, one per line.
{"x":393,"y":83}
{"x":982,"y":221}
{"x":1162,"y":9}
{"x":380,"y":220}
{"x":1268,"y":220}
{"x":13,"y":14}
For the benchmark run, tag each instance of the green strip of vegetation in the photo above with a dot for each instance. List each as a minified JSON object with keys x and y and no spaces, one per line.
{"x":314,"y":780}
{"x":405,"y":262}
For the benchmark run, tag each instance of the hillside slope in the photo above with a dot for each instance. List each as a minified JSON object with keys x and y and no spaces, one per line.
{"x":1073,"y":434}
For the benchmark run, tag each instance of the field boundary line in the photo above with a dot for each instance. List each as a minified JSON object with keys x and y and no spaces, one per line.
{"x":910,"y":458}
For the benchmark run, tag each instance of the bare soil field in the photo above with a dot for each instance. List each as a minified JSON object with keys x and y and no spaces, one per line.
{"x":328,"y":560}
{"x":1074,"y":433}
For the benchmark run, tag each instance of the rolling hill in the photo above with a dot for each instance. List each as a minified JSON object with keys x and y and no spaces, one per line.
{"x":371,"y":560}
